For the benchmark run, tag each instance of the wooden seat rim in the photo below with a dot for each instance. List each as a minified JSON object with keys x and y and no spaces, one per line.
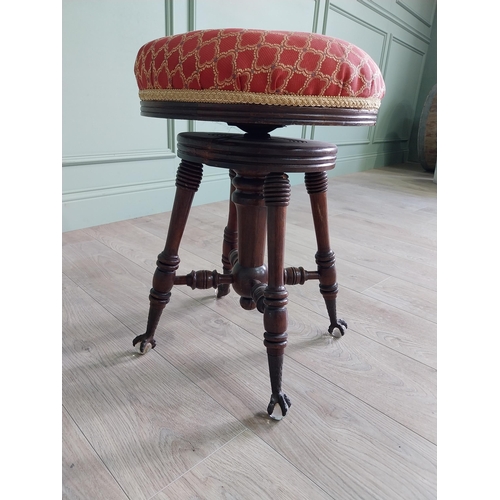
{"x":277,"y":116}
{"x":263,"y":154}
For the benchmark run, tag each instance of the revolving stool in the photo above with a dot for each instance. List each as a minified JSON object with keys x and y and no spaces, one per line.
{"x":258,"y":81}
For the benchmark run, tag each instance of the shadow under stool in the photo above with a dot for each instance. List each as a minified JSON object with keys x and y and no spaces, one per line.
{"x":182,"y":77}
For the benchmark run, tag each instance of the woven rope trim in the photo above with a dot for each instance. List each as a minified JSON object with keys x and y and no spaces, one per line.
{"x":236,"y":97}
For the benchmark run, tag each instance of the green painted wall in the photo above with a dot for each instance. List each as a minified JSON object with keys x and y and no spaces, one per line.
{"x":118,"y":165}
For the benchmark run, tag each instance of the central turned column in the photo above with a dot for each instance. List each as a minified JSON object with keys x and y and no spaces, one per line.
{"x":248,"y":265}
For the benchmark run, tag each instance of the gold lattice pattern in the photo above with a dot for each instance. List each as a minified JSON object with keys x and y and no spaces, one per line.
{"x":259,"y":67}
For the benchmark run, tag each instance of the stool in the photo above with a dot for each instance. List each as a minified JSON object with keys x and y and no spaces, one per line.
{"x":257,"y":81}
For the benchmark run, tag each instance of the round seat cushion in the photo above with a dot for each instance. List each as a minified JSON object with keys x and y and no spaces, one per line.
{"x":245,"y":66}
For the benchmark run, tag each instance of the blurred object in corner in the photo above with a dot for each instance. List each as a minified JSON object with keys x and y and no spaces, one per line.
{"x":427,"y":132}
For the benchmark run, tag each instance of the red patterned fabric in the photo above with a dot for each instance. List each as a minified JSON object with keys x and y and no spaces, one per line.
{"x":278,"y":63}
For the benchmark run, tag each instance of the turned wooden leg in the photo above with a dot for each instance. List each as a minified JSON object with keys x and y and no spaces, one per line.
{"x":277,"y":198}
{"x":230,"y":239}
{"x":187,"y":183}
{"x":317,"y":185}
{"x":247,"y":262}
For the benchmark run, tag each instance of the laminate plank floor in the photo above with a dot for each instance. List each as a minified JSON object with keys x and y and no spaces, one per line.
{"x":188,"y":419}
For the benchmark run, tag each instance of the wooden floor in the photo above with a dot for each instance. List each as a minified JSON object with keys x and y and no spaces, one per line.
{"x":188,"y":421}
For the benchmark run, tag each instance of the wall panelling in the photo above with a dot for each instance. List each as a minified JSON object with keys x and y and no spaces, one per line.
{"x":119,"y":165}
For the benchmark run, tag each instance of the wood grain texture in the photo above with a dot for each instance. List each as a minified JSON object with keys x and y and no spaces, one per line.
{"x":395,"y":328}
{"x":421,"y":274}
{"x":346,"y":446}
{"x":358,"y":360}
{"x":126,"y":404}
{"x":406,"y":296}
{"x":244,"y":468}
{"x":396,"y":385}
{"x":84,"y":475}
{"x":188,"y":419}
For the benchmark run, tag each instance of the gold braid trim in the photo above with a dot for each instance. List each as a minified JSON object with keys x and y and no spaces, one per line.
{"x":237,"y":97}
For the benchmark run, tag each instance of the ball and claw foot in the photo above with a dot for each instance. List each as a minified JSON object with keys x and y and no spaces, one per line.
{"x":278,"y":406}
{"x":338,"y":329}
{"x":147,"y":343}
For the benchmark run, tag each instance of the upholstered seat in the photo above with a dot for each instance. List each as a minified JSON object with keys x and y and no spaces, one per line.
{"x":258,"y":67}
{"x":257,"y":80}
